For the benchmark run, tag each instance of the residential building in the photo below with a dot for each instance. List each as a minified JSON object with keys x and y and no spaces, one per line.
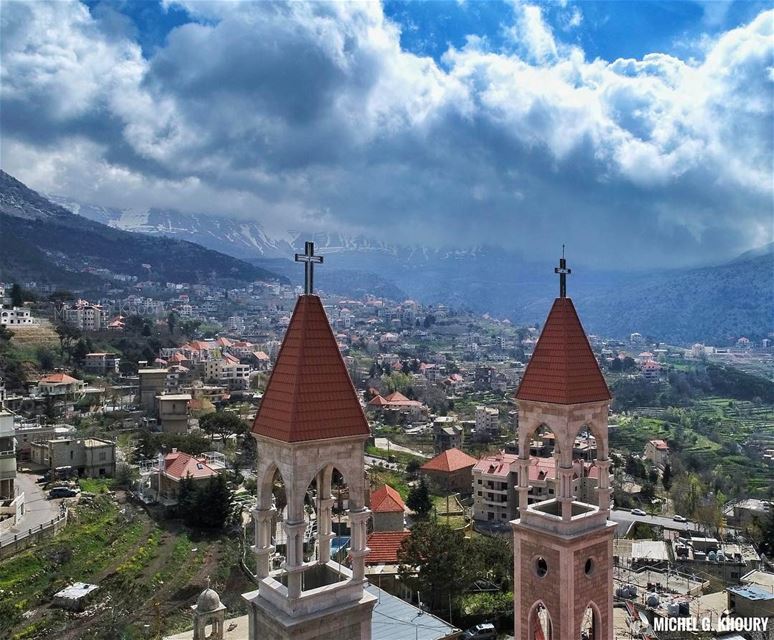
{"x":15,"y":317}
{"x":102,"y":363}
{"x":395,"y":408}
{"x":7,"y":456}
{"x":744,"y":512}
{"x":751,"y":600}
{"x":487,"y":421}
{"x":90,"y":457}
{"x":657,"y":451}
{"x":59,"y":384}
{"x":28,"y":433}
{"x":152,"y":384}
{"x":173,"y":412}
{"x":450,"y":471}
{"x":86,"y":316}
{"x":496,"y":482}
{"x":447,"y":433}
{"x":175,"y":467}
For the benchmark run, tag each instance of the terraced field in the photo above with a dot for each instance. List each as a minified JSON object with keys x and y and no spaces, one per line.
{"x":148,"y":574}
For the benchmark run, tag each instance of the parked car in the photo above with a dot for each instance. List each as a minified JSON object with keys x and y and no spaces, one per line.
{"x":679,"y":518}
{"x":638,"y":512}
{"x":62,"y":492}
{"x":484,"y":631}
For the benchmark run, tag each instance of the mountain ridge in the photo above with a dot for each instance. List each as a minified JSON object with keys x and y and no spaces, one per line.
{"x":41,"y":240}
{"x":713,"y":303}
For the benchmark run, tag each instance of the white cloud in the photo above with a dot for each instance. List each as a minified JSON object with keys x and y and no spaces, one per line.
{"x":287,"y":111}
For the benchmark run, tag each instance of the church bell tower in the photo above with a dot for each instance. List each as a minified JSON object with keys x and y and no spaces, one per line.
{"x":310,"y":426}
{"x":563,"y":547}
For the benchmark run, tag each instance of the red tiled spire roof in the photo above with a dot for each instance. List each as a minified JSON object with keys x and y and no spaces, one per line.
{"x":309,"y":395}
{"x":448,"y":461}
{"x":386,"y":500}
{"x":563,"y":369}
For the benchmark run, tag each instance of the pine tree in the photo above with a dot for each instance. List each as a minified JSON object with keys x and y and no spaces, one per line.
{"x":418,"y":499}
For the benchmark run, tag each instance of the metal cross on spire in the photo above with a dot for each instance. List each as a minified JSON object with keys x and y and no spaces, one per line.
{"x":309,"y":260}
{"x":563,"y":272}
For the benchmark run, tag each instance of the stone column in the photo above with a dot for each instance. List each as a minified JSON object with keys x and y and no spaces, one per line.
{"x":324,"y":531}
{"x":263,"y":548}
{"x":294,"y":562}
{"x":564,"y":494}
{"x":324,"y":514}
{"x":358,"y":550}
{"x":523,"y":488}
{"x":603,"y":487}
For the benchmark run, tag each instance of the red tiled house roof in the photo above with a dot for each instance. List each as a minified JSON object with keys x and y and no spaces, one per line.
{"x":386,"y":500}
{"x":309,"y":395}
{"x":179,"y":465}
{"x":384,"y":546}
{"x":449,"y":461}
{"x":563,"y":369}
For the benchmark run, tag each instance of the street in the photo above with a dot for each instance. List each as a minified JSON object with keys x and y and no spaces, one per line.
{"x":37,"y":509}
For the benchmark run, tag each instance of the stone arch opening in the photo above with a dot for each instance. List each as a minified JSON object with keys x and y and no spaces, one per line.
{"x":589,"y":443}
{"x":540,"y":624}
{"x":543,"y":448}
{"x":590,"y":623}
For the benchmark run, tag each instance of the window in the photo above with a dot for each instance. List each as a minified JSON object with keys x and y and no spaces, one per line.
{"x":541,"y":567}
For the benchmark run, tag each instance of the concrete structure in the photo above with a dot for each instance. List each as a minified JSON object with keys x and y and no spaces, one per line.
{"x":173,"y":412}
{"x":751,"y":600}
{"x":563,"y":547}
{"x":447,"y":434}
{"x":152,"y":384}
{"x":657,"y":451}
{"x":28,"y":433}
{"x":487,"y":421}
{"x":90,"y":457}
{"x":101,"y":363}
{"x":76,"y":596}
{"x":744,"y":512}
{"x":310,"y":422}
{"x":86,"y":316}
{"x":209,"y":615}
{"x":7,"y":456}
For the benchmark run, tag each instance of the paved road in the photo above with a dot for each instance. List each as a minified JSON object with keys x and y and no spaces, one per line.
{"x":384,"y":443}
{"x":37,"y":509}
{"x":627,"y":518}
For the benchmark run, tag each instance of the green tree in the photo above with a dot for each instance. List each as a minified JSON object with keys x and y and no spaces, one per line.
{"x":45,"y":358}
{"x":433,"y":561}
{"x":666,"y":477}
{"x":82,"y":347}
{"x":172,"y":322}
{"x":68,"y":335}
{"x":17,"y":295}
{"x":222,"y":423}
{"x":418,"y":499}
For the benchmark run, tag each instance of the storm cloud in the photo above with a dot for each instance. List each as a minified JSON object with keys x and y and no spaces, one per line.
{"x":312,"y":116}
